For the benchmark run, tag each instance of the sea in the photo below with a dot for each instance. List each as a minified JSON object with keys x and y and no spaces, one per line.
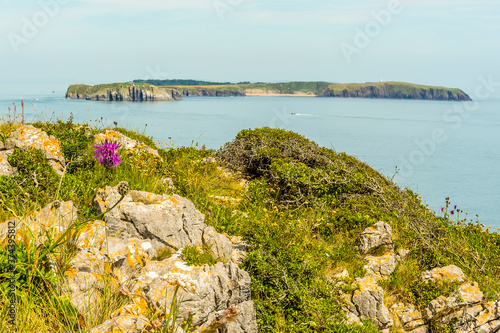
{"x":438,"y":149}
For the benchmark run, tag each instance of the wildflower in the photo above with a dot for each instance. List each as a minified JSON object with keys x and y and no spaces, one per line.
{"x":231,"y":312}
{"x":442,"y":209}
{"x":452,"y":212}
{"x":106,"y":154}
{"x":181,"y":280}
{"x":455,"y":207}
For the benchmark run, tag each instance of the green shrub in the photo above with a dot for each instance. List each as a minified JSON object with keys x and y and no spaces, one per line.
{"x":196,"y":257}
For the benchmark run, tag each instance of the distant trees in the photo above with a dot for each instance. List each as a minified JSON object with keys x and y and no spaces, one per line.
{"x":182,"y":82}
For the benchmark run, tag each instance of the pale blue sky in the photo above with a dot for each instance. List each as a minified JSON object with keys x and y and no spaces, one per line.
{"x":437,"y":42}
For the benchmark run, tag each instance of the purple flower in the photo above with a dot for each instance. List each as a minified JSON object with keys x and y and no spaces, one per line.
{"x":106,"y":154}
{"x":455,"y":207}
{"x":452,"y":212}
{"x":442,"y":209}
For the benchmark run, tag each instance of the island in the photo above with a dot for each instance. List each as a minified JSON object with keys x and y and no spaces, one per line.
{"x":171,"y":90}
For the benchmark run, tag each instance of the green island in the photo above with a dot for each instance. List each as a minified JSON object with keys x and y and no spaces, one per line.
{"x":168,"y":90}
{"x":308,"y":219}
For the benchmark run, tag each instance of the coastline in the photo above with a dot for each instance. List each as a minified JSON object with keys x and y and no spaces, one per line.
{"x":262,"y":92}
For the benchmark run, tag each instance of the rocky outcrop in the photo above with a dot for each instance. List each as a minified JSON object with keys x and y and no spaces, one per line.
{"x":141,"y":227}
{"x":211,"y":92}
{"x":131,"y":93}
{"x":464,"y":311}
{"x":28,"y":136}
{"x":130,"y":146}
{"x":127,"y":261}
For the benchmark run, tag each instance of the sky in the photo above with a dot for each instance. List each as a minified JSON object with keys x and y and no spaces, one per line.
{"x":50,"y":44}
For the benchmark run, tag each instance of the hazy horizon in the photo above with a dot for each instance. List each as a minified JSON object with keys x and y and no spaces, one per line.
{"x":50,"y":44}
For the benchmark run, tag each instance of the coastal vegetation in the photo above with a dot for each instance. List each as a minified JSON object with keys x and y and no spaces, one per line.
{"x":300,"y":207}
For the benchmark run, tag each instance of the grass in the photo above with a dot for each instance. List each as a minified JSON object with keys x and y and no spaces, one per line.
{"x":301,"y":207}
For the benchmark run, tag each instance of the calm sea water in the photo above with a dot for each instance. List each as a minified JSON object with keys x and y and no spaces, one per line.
{"x":442,"y":149}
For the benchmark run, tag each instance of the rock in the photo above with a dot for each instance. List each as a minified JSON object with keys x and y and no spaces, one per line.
{"x":127,"y":258}
{"x":84,"y":280}
{"x":29,"y":136}
{"x":383,"y":265}
{"x":130,"y":146}
{"x":216,"y":287}
{"x":483,"y":317}
{"x":401,"y":254}
{"x":123,"y":323}
{"x":165,"y":221}
{"x":5,"y":168}
{"x":369,"y":301}
{"x":470,"y":293}
{"x":48,"y":219}
{"x":450,"y":273}
{"x":140,"y":226}
{"x":125,"y":92}
{"x":373,"y":237}
{"x":408,"y":315}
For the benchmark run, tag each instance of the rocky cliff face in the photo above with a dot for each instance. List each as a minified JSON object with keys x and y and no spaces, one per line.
{"x":388,"y":91}
{"x":132,"y":94}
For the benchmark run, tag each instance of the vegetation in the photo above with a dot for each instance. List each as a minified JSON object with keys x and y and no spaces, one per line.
{"x":196,"y":257}
{"x":301,"y":207}
{"x":181,"y":82}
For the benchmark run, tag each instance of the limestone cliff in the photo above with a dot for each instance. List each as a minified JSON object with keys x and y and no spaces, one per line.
{"x":122,"y":92}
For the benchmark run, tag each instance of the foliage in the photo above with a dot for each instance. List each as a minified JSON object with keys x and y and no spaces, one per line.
{"x":181,"y":82}
{"x":300,"y":207}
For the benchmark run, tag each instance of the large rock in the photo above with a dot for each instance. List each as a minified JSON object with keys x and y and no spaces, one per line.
{"x":449,"y":273}
{"x":165,"y":221}
{"x":369,"y":302}
{"x":140,"y":227}
{"x":50,"y":219}
{"x":131,"y":146}
{"x":373,"y":237}
{"x":5,"y":168}
{"x":409,"y":316}
{"x":29,"y":136}
{"x":383,"y":265}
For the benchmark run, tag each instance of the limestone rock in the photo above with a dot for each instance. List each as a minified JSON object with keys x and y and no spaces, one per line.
{"x":29,"y":136}
{"x":84,"y":280}
{"x":409,"y":316}
{"x":131,"y":146}
{"x":165,"y":221}
{"x":383,"y":265}
{"x":369,"y":301}
{"x":449,"y":273}
{"x":216,"y":287}
{"x":373,"y":237}
{"x":5,"y":168}
{"x":55,"y":221}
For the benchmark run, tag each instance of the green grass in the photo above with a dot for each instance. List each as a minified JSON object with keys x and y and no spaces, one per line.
{"x":302,"y":208}
{"x":316,"y":88}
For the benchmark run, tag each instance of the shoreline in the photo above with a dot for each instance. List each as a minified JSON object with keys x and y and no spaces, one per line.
{"x":262,"y":92}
